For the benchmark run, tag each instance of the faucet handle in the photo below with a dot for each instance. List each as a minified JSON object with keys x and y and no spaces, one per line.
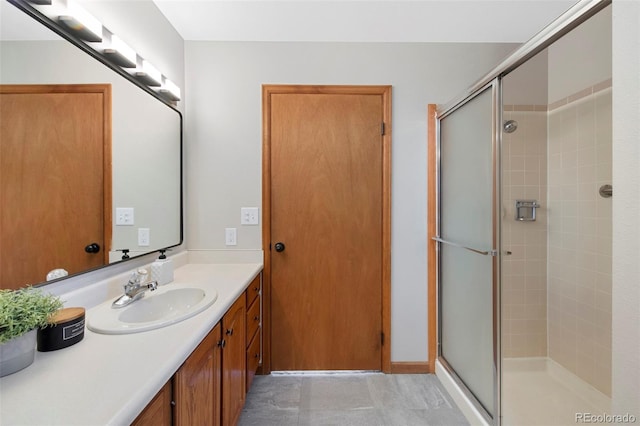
{"x":138,"y":277}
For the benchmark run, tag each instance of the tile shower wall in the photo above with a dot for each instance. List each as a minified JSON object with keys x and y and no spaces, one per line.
{"x":580,"y":229}
{"x":524,"y":283}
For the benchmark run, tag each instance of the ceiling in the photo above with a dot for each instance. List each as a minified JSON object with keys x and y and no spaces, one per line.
{"x":511,"y":21}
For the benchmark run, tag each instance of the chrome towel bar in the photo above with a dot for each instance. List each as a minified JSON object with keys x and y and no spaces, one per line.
{"x":482,"y":252}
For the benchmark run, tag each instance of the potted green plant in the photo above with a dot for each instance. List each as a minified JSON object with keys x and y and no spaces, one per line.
{"x":22,"y":312}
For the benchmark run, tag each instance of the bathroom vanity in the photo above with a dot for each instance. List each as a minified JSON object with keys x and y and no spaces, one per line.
{"x":196,"y":371}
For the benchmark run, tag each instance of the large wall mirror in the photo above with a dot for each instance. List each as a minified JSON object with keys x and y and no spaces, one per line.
{"x":90,"y":163}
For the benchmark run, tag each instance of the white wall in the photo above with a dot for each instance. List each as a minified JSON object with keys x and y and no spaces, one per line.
{"x":581,"y":58}
{"x":224,"y":141}
{"x":626,"y":208}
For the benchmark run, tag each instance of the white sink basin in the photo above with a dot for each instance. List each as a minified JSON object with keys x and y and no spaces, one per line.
{"x":167,"y":305}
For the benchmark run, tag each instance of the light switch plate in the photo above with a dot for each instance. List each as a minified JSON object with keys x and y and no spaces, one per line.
{"x":249,"y":215}
{"x":230,"y":237}
{"x":143,"y":237}
{"x":124,"y":216}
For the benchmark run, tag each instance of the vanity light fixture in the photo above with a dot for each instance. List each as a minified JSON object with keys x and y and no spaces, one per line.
{"x":81,"y":23}
{"x":88,"y":32}
{"x":169,"y":90}
{"x":120,"y":53}
{"x":148,"y":74}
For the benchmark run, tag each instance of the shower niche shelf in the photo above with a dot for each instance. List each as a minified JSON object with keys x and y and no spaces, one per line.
{"x":526,"y":210}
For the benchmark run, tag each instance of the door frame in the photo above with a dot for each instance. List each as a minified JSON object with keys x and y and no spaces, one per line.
{"x":432,"y":231}
{"x":385,"y":92}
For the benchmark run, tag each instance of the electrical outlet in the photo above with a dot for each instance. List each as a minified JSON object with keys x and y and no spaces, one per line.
{"x":249,"y":215}
{"x":230,"y":237}
{"x":143,"y":237}
{"x":124,"y":216}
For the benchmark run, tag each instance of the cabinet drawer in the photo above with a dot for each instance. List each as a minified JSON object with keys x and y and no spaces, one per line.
{"x":253,"y":320}
{"x":253,"y":358}
{"x":253,"y":290}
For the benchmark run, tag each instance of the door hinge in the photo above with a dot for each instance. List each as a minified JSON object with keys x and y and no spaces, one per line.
{"x":382,"y":338}
{"x":382,"y":128}
{"x":269,"y":246}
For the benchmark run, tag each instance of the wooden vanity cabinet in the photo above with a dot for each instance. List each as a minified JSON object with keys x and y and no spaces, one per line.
{"x":210,"y":387}
{"x":158,"y":411}
{"x":254,"y":329}
{"x":234,"y":362}
{"x":197,"y":384}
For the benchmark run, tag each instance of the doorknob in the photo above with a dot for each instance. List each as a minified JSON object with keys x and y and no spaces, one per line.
{"x":279,"y":247}
{"x":92,"y":248}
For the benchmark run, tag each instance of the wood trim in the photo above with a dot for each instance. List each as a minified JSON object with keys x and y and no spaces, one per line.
{"x":105,"y":90}
{"x":431,"y":245}
{"x":385,"y":91}
{"x":53,"y":88}
{"x":266,"y":230}
{"x":386,"y":230}
{"x":410,"y":367}
{"x":272,"y":89}
{"x":107,"y":203}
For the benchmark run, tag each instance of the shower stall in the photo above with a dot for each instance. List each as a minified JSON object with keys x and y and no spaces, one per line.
{"x":524,"y":229}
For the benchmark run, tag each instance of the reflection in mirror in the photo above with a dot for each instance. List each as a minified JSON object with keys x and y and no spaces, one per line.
{"x":90,"y":164}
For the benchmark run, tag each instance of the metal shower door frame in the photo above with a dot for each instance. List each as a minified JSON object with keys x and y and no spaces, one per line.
{"x":496,"y":93}
{"x":572,"y":18}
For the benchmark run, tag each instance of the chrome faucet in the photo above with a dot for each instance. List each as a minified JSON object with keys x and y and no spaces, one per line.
{"x":134,"y":289}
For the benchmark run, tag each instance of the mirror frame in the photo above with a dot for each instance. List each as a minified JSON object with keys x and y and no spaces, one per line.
{"x":53,"y":26}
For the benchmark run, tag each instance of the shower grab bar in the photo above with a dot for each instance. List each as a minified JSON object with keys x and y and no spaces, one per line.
{"x":482,"y":252}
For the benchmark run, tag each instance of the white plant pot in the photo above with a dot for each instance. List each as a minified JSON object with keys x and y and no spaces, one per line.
{"x":17,"y":353}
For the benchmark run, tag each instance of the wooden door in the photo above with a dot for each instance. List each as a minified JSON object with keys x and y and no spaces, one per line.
{"x":234,"y":362}
{"x":327,"y":159}
{"x":55,"y":180}
{"x":196,"y":385}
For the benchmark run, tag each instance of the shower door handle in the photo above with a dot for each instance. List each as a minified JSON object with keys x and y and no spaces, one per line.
{"x":482,"y":252}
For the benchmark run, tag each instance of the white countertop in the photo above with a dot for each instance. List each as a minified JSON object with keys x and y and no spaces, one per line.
{"x":109,"y":379}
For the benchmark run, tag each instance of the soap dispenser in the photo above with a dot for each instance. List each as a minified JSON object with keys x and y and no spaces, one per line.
{"x":162,"y":269}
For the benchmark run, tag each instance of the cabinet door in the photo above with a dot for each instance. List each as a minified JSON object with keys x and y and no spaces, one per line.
{"x":253,"y":358}
{"x":196,"y":385}
{"x":158,"y":412}
{"x":217,"y":374}
{"x":254,"y":330}
{"x":234,"y":362}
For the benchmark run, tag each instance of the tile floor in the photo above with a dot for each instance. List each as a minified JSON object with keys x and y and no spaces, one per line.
{"x":367,"y":399}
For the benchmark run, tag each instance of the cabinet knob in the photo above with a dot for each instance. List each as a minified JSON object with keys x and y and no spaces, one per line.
{"x":230,"y":332}
{"x":279,"y":247}
{"x":222,"y":343}
{"x":256,"y":318}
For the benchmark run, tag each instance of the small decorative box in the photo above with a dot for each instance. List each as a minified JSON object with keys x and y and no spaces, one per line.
{"x":68,"y":330}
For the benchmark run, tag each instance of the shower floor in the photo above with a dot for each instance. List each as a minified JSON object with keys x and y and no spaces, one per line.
{"x":538,"y":391}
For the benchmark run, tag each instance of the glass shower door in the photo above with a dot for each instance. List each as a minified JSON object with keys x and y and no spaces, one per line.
{"x":467,"y":254}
